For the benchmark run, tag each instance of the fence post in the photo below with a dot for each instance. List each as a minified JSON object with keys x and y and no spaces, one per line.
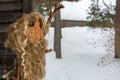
{"x":57,"y":36}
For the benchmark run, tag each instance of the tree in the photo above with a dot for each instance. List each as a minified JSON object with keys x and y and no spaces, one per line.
{"x":102,"y":17}
{"x":43,"y":8}
{"x":117,"y":30}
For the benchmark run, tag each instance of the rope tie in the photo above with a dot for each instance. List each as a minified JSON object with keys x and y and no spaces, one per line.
{"x":24,"y":52}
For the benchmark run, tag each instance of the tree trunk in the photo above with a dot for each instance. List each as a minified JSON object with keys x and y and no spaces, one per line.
{"x":117,"y":30}
{"x":57,"y":36}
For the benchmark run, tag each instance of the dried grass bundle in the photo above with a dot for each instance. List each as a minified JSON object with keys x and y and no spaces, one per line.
{"x":26,"y":39}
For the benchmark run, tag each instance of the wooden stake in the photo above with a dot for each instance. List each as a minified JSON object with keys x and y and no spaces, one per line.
{"x":8,"y":73}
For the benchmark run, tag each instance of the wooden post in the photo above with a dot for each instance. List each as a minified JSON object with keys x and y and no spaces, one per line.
{"x":57,"y":36}
{"x":117,"y":30}
{"x":27,"y":6}
{"x":33,"y":5}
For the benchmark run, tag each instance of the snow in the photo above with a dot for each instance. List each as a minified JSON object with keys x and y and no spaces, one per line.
{"x":75,"y":10}
{"x":87,"y":53}
{"x":78,"y":10}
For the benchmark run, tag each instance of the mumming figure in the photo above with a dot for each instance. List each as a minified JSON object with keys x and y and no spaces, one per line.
{"x":26,"y":37}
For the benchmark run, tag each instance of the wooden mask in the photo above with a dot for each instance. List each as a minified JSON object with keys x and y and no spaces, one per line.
{"x":35,"y":26}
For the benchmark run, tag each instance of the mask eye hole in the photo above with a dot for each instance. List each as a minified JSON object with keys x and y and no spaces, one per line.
{"x":31,"y":24}
{"x":41,"y":23}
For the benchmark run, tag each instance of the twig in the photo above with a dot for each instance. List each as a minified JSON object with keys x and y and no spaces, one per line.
{"x":48,"y":50}
{"x":52,"y":14}
{"x":57,"y":8}
{"x":5,"y":75}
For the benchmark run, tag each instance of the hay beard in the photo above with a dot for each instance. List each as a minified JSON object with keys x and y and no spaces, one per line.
{"x":30,"y":53}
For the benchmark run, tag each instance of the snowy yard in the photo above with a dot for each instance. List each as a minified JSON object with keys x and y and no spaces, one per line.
{"x":87,"y":53}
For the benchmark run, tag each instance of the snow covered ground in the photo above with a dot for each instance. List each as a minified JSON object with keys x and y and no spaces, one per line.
{"x":87,"y":53}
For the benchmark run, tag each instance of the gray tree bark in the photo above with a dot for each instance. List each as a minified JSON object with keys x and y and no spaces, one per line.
{"x":117,"y":30}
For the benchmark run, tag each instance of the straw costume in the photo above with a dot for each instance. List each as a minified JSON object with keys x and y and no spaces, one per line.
{"x":26,"y":37}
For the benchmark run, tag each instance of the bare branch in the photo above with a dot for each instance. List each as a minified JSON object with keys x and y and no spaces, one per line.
{"x":8,"y":72}
{"x":52,"y":14}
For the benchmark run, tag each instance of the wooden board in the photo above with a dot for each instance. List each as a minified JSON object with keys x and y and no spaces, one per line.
{"x":10,"y":11}
{"x":4,"y":27}
{"x":10,"y":6}
{"x":9,"y":16}
{"x":27,"y":6}
{"x":8,"y":0}
{"x":3,"y":36}
{"x":7,"y":60}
